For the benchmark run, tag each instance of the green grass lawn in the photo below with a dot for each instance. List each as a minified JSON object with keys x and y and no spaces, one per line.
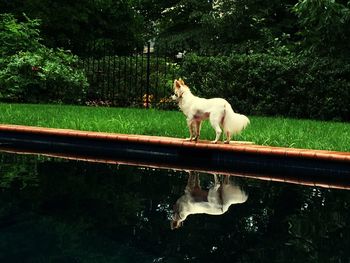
{"x":263,"y":130}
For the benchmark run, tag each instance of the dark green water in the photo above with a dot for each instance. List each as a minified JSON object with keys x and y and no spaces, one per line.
{"x":54,"y":210}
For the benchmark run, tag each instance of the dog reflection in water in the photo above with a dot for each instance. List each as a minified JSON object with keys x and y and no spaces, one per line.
{"x":215,"y":201}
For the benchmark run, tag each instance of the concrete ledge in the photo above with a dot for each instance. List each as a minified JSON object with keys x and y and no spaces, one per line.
{"x":235,"y":157}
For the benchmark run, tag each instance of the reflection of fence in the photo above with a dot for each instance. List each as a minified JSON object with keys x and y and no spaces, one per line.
{"x":139,"y":79}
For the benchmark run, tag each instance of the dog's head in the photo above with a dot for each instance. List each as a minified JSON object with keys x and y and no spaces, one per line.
{"x":178,"y":217}
{"x":179,"y":89}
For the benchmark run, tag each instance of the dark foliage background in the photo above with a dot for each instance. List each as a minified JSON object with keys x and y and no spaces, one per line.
{"x":280,"y":57}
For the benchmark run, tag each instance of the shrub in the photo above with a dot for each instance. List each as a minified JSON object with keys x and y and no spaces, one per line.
{"x":31,"y":72}
{"x":18,"y":36}
{"x":265,"y":84}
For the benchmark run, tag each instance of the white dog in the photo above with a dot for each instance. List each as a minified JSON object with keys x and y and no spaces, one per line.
{"x":214,"y":201}
{"x":217,"y":110}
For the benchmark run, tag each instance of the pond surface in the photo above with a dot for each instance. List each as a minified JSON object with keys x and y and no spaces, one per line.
{"x":56,"y":210}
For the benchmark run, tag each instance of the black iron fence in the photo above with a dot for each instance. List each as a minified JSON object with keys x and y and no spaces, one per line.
{"x":143,"y":78}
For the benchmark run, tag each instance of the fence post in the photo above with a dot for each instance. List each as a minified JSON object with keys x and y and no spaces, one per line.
{"x":148,"y":73}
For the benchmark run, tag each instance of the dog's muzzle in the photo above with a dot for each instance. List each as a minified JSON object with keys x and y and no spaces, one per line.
{"x":174,"y":97}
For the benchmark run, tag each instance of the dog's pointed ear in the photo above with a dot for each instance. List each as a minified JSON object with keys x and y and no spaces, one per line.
{"x":177,"y":84}
{"x":182,"y":82}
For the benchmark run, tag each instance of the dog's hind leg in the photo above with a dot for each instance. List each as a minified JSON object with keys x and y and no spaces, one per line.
{"x":215,"y":123}
{"x":228,"y":137}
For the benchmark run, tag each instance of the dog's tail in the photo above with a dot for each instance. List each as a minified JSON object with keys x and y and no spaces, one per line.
{"x":233,"y":122}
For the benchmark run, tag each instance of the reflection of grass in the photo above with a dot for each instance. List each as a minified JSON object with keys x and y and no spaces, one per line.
{"x":263,"y":130}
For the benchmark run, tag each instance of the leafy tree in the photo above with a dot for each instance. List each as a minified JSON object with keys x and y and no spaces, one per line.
{"x":325,"y":25}
{"x":181,"y":24}
{"x":77,"y":25}
{"x":151,"y":12}
{"x":223,"y":26}
{"x":31,"y":72}
{"x":250,"y":26}
{"x":15,"y":37}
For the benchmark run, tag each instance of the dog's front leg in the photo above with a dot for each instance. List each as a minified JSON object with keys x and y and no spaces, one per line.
{"x":191,"y":127}
{"x":198,"y":124}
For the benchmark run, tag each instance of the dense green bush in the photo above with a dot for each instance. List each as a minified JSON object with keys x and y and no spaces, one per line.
{"x":31,"y":72}
{"x":265,"y":84}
